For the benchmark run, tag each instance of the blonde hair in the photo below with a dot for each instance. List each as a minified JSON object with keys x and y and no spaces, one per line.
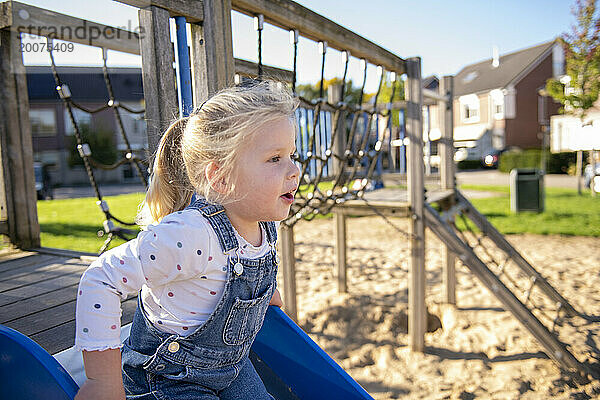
{"x":215,"y":132}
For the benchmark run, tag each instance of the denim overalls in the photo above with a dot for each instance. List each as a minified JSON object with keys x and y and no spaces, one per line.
{"x":212,"y":362}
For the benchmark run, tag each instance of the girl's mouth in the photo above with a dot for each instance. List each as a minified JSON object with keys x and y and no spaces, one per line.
{"x":288,"y":197}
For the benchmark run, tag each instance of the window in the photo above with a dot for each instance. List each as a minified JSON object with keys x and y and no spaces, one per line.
{"x":470,"y":112}
{"x":43,"y":122}
{"x":497,"y":103}
{"x":469,"y":108}
{"x":81,"y":118}
{"x":135,"y":127}
{"x":470,"y":77}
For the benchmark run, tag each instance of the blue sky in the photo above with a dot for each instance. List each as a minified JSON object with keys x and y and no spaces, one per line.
{"x":447,"y":35}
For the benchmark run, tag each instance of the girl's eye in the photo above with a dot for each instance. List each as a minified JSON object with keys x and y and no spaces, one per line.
{"x":295,"y":157}
{"x":275,"y":159}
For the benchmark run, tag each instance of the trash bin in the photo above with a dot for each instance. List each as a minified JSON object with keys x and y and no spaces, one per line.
{"x":526,"y":190}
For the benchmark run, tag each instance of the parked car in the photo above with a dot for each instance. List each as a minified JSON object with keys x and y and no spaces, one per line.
{"x":588,"y":174}
{"x":43,"y":183}
{"x":491,"y":159}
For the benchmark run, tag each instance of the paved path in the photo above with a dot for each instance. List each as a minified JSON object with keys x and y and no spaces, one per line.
{"x":494,"y":177}
{"x":478,"y":177}
{"x":105,"y":190}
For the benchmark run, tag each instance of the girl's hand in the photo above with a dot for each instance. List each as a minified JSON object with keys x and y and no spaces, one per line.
{"x":276,"y":299}
{"x":93,"y":389}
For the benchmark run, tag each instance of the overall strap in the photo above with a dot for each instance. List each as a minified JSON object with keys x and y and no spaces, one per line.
{"x":271,"y":230}
{"x":215,"y":214}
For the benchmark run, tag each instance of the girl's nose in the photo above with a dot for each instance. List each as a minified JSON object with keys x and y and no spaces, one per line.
{"x":294,"y":171}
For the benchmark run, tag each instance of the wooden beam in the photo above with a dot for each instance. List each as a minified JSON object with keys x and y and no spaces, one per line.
{"x":341,"y":250}
{"x":446,"y":146}
{"x":16,"y":150}
{"x":193,"y":10}
{"x":430,"y":94}
{"x":447,"y":179}
{"x":289,"y":15}
{"x":249,"y":68}
{"x":213,"y":67}
{"x":416,"y":196}
{"x":23,"y":18}
{"x":158,"y":76}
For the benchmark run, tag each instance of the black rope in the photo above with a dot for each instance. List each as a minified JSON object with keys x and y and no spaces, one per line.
{"x":113,"y":104}
{"x":85,"y":153}
{"x":65,"y":95}
{"x":294,"y":40}
{"x":347,"y":57}
{"x":258,"y":21}
{"x":323,"y":46}
{"x":516,"y":287}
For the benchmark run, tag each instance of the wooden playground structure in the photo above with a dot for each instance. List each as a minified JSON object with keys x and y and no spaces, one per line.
{"x":213,"y":67}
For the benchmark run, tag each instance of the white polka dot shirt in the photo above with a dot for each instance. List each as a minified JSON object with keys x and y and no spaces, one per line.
{"x":179,"y":267}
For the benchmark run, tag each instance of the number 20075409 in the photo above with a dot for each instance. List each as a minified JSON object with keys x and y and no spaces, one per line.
{"x":46,"y":47}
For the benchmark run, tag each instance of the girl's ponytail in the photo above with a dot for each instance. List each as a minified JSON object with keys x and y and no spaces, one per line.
{"x":169,"y":189}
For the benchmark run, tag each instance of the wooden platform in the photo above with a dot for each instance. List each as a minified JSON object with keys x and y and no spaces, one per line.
{"x":38,"y":294}
{"x":392,"y":202}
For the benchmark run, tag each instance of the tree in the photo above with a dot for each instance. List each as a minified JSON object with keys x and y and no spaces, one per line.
{"x":579,"y":88}
{"x":352,"y":93}
{"x":311,"y":91}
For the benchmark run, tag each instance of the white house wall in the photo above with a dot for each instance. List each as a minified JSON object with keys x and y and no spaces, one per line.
{"x":568,"y":134}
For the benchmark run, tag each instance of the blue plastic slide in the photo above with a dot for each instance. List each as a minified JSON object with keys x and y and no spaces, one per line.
{"x":28,"y":372}
{"x":292,"y":366}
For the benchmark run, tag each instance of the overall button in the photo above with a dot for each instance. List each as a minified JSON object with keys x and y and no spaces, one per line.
{"x":238,"y":269}
{"x":173,"y":347}
{"x":160,"y":367}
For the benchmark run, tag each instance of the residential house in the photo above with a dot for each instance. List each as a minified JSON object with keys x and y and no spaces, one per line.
{"x":497,"y":102}
{"x":52,"y":130}
{"x":572,"y":133}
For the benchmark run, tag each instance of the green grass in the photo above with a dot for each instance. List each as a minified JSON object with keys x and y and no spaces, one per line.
{"x":73,"y":223}
{"x":566,"y":213}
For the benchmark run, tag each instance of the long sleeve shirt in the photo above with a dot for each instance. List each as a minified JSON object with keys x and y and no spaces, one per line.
{"x":177,"y":267}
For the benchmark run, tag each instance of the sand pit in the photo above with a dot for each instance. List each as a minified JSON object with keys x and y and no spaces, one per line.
{"x":476,"y":350}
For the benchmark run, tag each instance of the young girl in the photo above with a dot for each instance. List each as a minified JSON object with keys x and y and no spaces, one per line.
{"x":205,"y":267}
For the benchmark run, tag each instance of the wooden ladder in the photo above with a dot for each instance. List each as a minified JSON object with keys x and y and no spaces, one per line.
{"x":443,"y":227}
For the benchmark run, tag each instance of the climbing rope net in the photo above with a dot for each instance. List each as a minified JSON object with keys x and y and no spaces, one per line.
{"x":110,"y":228}
{"x":339,"y":143}
{"x":328,"y":177}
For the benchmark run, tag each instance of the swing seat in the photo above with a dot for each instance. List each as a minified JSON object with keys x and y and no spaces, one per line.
{"x":290,"y":364}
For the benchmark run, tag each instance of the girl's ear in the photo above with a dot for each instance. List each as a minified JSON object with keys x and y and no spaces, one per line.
{"x":211,"y":172}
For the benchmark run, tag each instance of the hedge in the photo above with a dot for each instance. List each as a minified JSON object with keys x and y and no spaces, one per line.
{"x":468,"y":164}
{"x":556,"y":163}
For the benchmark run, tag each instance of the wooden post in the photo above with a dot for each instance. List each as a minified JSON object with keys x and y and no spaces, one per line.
{"x":578,"y":168}
{"x":288,"y":263}
{"x":594,"y":160}
{"x":158,"y":76}
{"x":334,"y":95}
{"x":446,"y":151}
{"x":18,"y":200}
{"x":213,"y":66}
{"x":416,"y":193}
{"x":341,"y":250}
